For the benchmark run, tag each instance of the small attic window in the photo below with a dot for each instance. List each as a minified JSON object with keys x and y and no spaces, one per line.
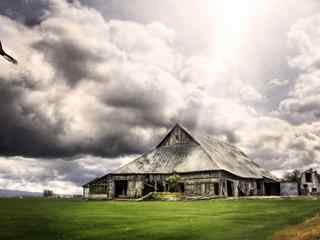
{"x":177,"y":137}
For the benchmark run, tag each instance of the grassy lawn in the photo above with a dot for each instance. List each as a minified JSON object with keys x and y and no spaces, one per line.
{"x":216,"y":219}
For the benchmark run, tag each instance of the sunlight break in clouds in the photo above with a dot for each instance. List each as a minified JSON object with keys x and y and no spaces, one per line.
{"x":231,"y":20}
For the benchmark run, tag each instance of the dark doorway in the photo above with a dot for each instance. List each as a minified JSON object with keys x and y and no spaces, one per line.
{"x":272,"y":188}
{"x":267,"y":189}
{"x":160,"y":187}
{"x":216,"y":188}
{"x":181,"y":187}
{"x":241,"y":193}
{"x":230,"y":188}
{"x":121,"y":188}
{"x":259,"y":188}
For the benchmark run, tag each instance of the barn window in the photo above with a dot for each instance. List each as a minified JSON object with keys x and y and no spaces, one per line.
{"x":308,"y":177}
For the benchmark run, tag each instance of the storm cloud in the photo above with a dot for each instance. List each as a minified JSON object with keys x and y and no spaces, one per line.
{"x":102,"y":89}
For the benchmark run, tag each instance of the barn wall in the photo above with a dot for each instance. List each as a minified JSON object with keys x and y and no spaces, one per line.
{"x":244,"y":186}
{"x":135,"y":185}
{"x":313,"y":186}
{"x":206,"y":183}
{"x":211,"y":183}
{"x":201,"y":183}
{"x":98,"y":189}
{"x":289,"y":189}
{"x":86,"y":193}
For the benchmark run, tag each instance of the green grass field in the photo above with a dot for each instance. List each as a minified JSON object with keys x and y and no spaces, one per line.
{"x":217,"y":219}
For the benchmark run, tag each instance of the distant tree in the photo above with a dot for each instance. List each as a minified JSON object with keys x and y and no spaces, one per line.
{"x":294,"y":176}
{"x":173,"y":182}
{"x":48,"y":193}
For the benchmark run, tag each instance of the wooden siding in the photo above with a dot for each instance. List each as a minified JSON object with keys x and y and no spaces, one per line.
{"x":176,"y":136}
{"x":209,"y":183}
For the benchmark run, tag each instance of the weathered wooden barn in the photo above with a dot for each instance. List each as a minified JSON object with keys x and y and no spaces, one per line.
{"x":310,"y":182}
{"x":205,"y":167}
{"x":306,"y":182}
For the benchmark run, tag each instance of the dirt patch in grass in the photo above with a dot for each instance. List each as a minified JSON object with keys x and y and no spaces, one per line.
{"x":309,"y":230}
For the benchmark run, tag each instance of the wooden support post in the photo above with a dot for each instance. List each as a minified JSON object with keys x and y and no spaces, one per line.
{"x":155,"y":186}
{"x":235,"y":188}
{"x":225,"y":188}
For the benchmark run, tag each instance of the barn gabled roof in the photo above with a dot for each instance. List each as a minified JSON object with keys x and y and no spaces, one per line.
{"x":196,"y":153}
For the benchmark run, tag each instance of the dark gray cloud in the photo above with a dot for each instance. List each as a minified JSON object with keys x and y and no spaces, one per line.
{"x":28,"y":12}
{"x":24,"y":132}
{"x":73,"y":95}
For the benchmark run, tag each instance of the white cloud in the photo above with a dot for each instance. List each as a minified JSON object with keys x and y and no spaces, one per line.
{"x":61,"y":176}
{"x":302,"y":106}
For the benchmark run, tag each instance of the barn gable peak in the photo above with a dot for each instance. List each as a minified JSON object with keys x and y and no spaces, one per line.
{"x":177,"y":135}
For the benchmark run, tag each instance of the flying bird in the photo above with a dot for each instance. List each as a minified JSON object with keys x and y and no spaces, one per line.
{"x":7,"y":56}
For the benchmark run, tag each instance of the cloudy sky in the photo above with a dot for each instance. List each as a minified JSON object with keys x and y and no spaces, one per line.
{"x":100,"y":81}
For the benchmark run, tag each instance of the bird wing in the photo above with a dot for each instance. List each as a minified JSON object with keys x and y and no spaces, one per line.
{"x":1,"y":49}
{"x":10,"y":59}
{"x":7,"y":56}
